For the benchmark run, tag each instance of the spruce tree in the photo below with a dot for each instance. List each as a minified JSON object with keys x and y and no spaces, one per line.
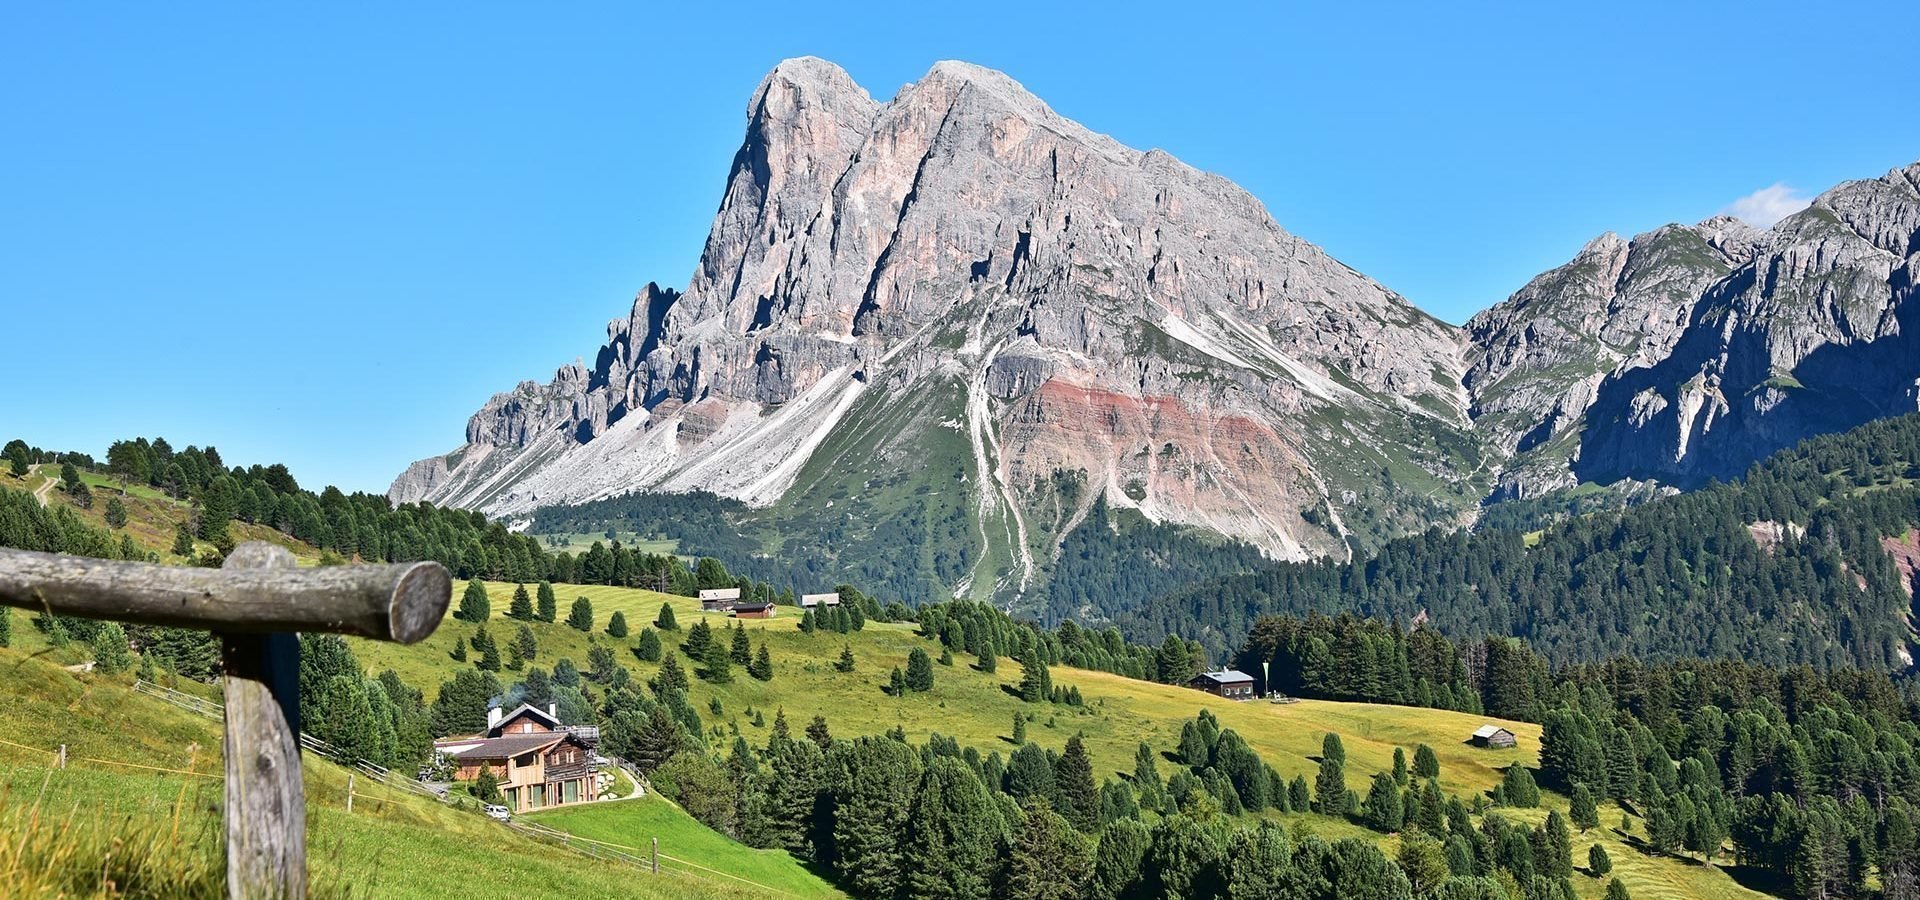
{"x":486,"y":788}
{"x":1598,"y":863}
{"x":920,"y":671}
{"x":110,"y":649}
{"x":489,"y":660}
{"x":1048,"y":861}
{"x":1330,"y":788}
{"x":546,"y":605}
{"x":648,"y":647}
{"x":617,"y":624}
{"x":1582,"y":810}
{"x":524,"y":644}
{"x":1616,"y":890}
{"x":1399,"y":767}
{"x":671,"y":679}
{"x":946,"y":656}
{"x":182,"y":539}
{"x":807,"y":624}
{"x":459,"y":651}
{"x":1426,"y":764}
{"x":474,"y":606}
{"x":762,"y":666}
{"x":1036,"y":683}
{"x":522,"y":606}
{"x":718,"y":666}
{"x":740,"y":648}
{"x":1118,"y":861}
{"x":1331,"y":748}
{"x":116,"y":513}
{"x":1382,"y":810}
{"x":1553,"y":847}
{"x":1074,"y":788}
{"x":897,"y":683}
{"x":987,"y":661}
{"x":817,"y":732}
{"x":665,"y":620}
{"x":580,"y":617}
{"x":845,"y":663}
{"x":1019,"y":729}
{"x":953,"y":834}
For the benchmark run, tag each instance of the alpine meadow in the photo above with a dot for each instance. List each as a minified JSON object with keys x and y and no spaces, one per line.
{"x":997,"y":512}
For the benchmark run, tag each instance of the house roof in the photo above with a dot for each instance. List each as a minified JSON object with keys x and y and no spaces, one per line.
{"x":1227,"y":676}
{"x":817,"y":599}
{"x":513,"y":745}
{"x":750,"y":607}
{"x":1487,"y":731}
{"x":544,"y":716}
{"x":732,"y":593}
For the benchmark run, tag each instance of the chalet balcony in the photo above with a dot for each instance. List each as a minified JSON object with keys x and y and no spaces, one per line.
{"x":568,"y":773}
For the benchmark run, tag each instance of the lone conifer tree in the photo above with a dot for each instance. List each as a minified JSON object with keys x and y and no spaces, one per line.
{"x":182,"y":539}
{"x":474,"y":606}
{"x":648,"y":647}
{"x":547,"y":604}
{"x":762,"y":666}
{"x":617,"y":624}
{"x":845,"y":664}
{"x":522,"y":606}
{"x":665,"y":621}
{"x":920,"y":672}
{"x":580,"y":617}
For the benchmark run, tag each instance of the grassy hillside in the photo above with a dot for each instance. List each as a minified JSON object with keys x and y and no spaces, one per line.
{"x":151,"y":514}
{"x":137,"y":810}
{"x":977,"y":709}
{"x":685,"y":845}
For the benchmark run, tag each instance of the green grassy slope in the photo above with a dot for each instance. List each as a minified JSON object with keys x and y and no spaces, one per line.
{"x":976,"y":709}
{"x":155,"y":830}
{"x":685,"y":845}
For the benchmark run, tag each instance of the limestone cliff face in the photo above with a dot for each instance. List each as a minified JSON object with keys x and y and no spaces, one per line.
{"x":1075,"y":305}
{"x":1691,"y":352}
{"x":959,"y":290}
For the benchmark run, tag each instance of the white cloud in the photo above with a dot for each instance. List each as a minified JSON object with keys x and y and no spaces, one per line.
{"x":1767,"y":205}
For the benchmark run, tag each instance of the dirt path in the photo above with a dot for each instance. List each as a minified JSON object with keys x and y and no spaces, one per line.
{"x":40,"y":493}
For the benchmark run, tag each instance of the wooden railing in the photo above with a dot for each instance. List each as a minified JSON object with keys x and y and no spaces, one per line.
{"x":256,"y":604}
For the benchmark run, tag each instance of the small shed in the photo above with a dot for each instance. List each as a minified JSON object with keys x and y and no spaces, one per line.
{"x":719,"y":599}
{"x":753,"y":610}
{"x":1232,"y":684}
{"x":814,"y":601}
{"x":1492,"y":737}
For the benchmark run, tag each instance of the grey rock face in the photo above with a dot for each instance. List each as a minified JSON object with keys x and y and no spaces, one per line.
{"x":965,"y":233}
{"x":961,"y":267}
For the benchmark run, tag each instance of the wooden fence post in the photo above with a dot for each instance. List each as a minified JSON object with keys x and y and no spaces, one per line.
{"x":656,"y":856}
{"x":60,"y":761}
{"x":349,"y":793}
{"x":266,"y":806}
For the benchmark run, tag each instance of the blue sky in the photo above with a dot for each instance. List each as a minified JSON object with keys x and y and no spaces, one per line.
{"x":325,"y":237}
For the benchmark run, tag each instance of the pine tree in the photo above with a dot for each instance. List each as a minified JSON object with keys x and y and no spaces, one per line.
{"x":524,"y":644}
{"x":1553,"y":847}
{"x":522,"y":606}
{"x":182,"y":540}
{"x":648,"y":647}
{"x":946,"y":656}
{"x":657,"y":740}
{"x":1520,"y":789}
{"x":1616,"y":890}
{"x":1119,"y":860}
{"x":919,"y":671}
{"x":546,"y":605}
{"x":1399,"y":767}
{"x":807,"y":623}
{"x":459,"y":651}
{"x":1019,"y":729}
{"x":741,"y":648}
{"x":1598,"y":863}
{"x":1582,"y":810}
{"x":580,"y":617}
{"x":1074,"y":789}
{"x":1426,"y":764}
{"x":671,"y":679}
{"x":474,"y":606}
{"x":110,"y":649}
{"x":762,"y":666}
{"x":987,"y":661}
{"x":617,"y":624}
{"x":665,"y":621}
{"x":116,"y":513}
{"x":1036,"y":683}
{"x":845,"y":663}
{"x":1331,"y":748}
{"x":489,"y":660}
{"x":897,"y":683}
{"x":1330,"y":788}
{"x":486,"y":788}
{"x":1048,"y":861}
{"x":1382,"y":811}
{"x":718,"y":666}
{"x":953,"y":834}
{"x":818,"y":734}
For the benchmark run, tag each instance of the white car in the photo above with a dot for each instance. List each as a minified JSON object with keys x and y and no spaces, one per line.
{"x":497,"y":812}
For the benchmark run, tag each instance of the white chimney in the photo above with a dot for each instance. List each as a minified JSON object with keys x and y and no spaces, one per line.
{"x":493,"y":717}
{"x":553,"y":711}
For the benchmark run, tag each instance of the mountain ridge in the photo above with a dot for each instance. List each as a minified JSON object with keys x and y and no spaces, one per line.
{"x":1016,"y":316}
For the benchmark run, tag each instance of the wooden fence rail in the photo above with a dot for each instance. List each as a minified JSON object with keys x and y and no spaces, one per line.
{"x":255,"y":603}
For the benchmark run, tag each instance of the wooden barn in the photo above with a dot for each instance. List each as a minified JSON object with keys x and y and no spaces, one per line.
{"x":719,"y":599}
{"x":1492,"y":737}
{"x":1232,"y":684}
{"x":753,"y":611}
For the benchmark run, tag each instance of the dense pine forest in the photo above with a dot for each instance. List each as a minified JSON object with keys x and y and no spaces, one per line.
{"x":1681,"y":576}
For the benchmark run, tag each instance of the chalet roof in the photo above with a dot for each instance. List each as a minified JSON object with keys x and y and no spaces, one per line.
{"x":818,"y":599}
{"x":1487,"y":731}
{"x":750,"y":607}
{"x":542,"y":714}
{"x":1228,"y":676}
{"x":732,"y":593}
{"x":513,"y":745}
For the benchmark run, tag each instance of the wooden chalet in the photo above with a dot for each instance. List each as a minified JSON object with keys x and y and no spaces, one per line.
{"x":817,"y":601}
{"x":1232,"y":684}
{"x":753,"y":611}
{"x":1492,"y":737}
{"x":719,"y":599}
{"x":539,"y":762}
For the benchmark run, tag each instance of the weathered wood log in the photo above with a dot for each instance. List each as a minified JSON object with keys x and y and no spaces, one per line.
{"x":266,"y":804}
{"x":401,"y":602}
